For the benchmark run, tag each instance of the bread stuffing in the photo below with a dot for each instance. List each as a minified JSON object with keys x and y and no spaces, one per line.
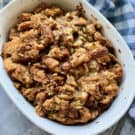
{"x":62,"y":64}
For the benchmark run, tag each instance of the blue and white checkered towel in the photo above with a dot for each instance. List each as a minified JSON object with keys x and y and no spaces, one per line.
{"x":121,"y":13}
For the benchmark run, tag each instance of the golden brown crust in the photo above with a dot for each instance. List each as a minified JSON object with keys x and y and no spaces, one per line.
{"x":62,"y":64}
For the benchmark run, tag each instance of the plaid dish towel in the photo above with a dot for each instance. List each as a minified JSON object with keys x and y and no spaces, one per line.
{"x":121,"y":13}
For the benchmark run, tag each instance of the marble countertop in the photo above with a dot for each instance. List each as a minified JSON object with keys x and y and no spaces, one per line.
{"x":13,"y":122}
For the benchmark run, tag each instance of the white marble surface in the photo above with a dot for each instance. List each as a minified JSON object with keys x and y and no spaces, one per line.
{"x":13,"y":122}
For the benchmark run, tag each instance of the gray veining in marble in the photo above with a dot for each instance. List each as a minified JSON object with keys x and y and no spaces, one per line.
{"x":13,"y":122}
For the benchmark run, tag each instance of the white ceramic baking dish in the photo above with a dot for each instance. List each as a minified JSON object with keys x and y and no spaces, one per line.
{"x":8,"y":17}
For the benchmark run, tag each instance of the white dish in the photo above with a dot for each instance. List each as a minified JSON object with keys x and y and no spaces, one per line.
{"x":8,"y":17}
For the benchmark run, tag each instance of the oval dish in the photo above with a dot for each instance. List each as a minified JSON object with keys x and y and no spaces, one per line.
{"x":119,"y":107}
